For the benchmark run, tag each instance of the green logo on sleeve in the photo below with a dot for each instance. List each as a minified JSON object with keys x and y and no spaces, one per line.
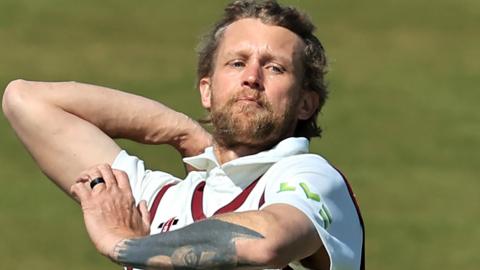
{"x":310,"y":195}
{"x":324,"y":212}
{"x":285,"y":187}
{"x":326,"y":216}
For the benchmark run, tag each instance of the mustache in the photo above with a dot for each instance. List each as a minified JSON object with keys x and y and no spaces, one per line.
{"x":249,"y":94}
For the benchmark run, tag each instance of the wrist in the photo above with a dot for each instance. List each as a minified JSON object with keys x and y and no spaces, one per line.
{"x":195,"y":143}
{"x":116,"y":250}
{"x":193,"y":139}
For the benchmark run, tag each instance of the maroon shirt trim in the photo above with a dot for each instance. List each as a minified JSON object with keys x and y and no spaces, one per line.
{"x":262,"y":200}
{"x":357,"y":207}
{"x":156,"y":202}
{"x":158,"y":198}
{"x":197,"y":201}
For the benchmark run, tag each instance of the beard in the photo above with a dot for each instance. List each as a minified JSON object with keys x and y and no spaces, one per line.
{"x":251,"y":124}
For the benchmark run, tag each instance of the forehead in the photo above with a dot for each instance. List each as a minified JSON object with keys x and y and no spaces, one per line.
{"x":253,"y":36}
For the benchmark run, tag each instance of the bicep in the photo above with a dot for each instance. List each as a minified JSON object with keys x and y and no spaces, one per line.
{"x":288,"y":235}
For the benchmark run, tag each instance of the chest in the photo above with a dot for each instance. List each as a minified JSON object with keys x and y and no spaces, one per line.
{"x":181,"y":204}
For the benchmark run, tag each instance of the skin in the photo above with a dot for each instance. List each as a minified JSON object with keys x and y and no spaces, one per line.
{"x":217,"y":248}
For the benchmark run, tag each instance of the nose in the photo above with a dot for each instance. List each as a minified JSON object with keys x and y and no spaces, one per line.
{"x":253,"y":77}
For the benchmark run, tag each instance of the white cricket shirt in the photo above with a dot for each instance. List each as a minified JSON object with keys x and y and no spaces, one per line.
{"x":285,"y":174}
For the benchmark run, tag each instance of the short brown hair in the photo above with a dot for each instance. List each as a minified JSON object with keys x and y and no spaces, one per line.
{"x":270,"y":12}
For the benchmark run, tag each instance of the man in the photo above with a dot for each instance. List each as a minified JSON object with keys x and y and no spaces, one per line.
{"x":258,"y":199}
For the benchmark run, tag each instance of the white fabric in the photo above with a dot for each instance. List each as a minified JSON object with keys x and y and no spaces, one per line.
{"x":309,"y":182}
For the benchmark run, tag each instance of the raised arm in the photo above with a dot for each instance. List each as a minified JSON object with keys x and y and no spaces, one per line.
{"x":68,"y":126}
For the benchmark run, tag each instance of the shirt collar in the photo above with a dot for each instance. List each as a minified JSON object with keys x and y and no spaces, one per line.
{"x":288,"y":147}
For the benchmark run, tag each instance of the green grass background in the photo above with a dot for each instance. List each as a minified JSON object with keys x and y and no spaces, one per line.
{"x":402,"y":120}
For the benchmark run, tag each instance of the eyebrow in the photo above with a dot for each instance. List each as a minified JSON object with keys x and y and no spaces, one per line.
{"x":266,"y":56}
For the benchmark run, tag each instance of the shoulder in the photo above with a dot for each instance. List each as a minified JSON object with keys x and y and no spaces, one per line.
{"x":315,"y":187}
{"x":306,"y":164}
{"x":304,"y":161}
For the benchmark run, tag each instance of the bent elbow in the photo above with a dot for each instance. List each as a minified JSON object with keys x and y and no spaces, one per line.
{"x":275,"y":260}
{"x":12,"y":97}
{"x":269,"y":256}
{"x":19,"y":99}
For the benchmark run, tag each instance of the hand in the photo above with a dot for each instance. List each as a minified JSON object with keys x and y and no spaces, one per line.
{"x":109,"y":209}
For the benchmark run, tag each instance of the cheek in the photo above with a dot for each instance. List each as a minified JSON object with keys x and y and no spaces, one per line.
{"x":282,"y":98}
{"x":219,"y":96}
{"x":223,"y":77}
{"x":221,"y":81}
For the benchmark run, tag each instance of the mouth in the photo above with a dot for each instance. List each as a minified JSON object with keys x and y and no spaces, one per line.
{"x":247,"y":105}
{"x":249,"y":100}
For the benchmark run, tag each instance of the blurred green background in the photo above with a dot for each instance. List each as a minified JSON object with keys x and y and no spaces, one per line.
{"x":401,"y":121}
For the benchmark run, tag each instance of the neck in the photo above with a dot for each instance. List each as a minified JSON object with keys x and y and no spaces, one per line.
{"x":225,"y":154}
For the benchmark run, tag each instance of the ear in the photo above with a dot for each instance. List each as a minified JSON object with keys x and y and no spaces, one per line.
{"x":308,"y":104}
{"x":205,"y":92}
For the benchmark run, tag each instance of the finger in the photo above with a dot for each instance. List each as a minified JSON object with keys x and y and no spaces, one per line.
{"x":143,"y":208}
{"x":93,"y":173}
{"x":100,"y":182}
{"x":107,"y":174}
{"x":122,"y":179}
{"x":82,"y":178}
{"x":80,"y":191}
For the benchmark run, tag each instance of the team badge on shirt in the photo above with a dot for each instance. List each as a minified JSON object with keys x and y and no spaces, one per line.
{"x":167,"y":225}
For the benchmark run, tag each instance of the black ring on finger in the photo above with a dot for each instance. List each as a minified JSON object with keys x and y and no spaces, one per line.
{"x":97,"y":181}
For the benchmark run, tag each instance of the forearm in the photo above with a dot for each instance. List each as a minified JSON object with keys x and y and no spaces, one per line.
{"x":121,"y":115}
{"x":210,"y":244}
{"x":124,"y":115}
{"x":253,"y":240}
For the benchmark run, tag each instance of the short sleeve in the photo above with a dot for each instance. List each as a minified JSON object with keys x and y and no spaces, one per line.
{"x":144,"y":183}
{"x":313,"y":186}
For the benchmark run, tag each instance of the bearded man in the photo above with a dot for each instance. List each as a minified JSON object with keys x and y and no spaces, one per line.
{"x":255,"y":199}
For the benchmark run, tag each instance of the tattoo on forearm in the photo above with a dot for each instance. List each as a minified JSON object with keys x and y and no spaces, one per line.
{"x":208,"y":244}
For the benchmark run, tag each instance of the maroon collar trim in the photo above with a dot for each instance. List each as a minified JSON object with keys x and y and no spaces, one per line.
{"x":158,"y":198}
{"x":154,"y":207}
{"x":197,"y":201}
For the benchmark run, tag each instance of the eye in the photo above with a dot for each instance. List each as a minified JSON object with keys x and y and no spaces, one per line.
{"x":237,"y":64}
{"x":276,"y":69}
